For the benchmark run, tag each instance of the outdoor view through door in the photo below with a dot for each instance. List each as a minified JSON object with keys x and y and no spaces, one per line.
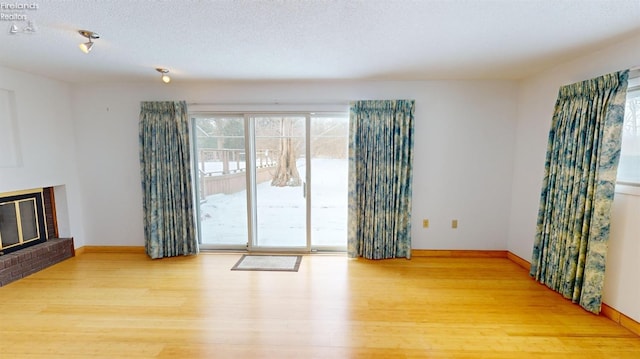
{"x":272,"y":182}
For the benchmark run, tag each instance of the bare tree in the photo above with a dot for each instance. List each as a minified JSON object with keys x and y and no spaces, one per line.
{"x":286,"y":170}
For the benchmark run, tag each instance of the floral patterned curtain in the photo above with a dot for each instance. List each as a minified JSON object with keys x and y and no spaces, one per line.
{"x":380,"y":174}
{"x":583,"y":151}
{"x":165,"y":168}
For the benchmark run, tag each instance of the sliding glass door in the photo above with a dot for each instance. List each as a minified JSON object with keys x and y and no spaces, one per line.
{"x":221,"y":180}
{"x":328,"y":193}
{"x":272,"y":182}
{"x":280,"y":200}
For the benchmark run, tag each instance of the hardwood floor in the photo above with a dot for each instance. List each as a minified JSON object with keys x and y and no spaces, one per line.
{"x":124,"y":305}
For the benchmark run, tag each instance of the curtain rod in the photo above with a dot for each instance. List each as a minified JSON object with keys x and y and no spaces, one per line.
{"x":336,"y":103}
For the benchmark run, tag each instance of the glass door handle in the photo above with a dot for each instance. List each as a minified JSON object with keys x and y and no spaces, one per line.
{"x":304,"y":189}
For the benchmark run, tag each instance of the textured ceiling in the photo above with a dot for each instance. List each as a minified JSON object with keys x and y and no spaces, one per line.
{"x":309,"y":40}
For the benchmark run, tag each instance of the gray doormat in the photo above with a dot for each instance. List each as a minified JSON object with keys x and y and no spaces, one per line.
{"x":274,"y":263}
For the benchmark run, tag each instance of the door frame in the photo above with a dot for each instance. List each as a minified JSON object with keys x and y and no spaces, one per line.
{"x":249,"y":138}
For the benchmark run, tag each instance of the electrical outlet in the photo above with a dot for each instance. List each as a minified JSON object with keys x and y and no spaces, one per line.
{"x":454,"y":223}
{"x":425,"y":223}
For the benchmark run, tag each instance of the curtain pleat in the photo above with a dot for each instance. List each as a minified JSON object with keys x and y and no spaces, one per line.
{"x":380,"y":179}
{"x":583,"y":151}
{"x":165,"y":168}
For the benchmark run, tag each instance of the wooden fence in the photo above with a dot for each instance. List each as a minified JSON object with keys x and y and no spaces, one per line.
{"x":227,"y":173}
{"x":231,"y":183}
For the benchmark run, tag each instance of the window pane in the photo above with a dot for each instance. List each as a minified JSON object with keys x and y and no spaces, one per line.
{"x":280,"y":201}
{"x":629,"y":167}
{"x":329,"y":190}
{"x":222,"y":184}
{"x":8,"y":224}
{"x":28,"y":220}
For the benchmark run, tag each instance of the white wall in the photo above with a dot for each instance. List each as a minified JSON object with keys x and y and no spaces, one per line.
{"x":535,"y":108}
{"x":46,"y":146}
{"x":463,"y":162}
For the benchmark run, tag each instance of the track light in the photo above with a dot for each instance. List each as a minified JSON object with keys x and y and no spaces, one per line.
{"x":165,"y":77}
{"x":87,"y":46}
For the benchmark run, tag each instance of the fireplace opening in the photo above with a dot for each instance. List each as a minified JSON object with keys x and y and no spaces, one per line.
{"x":23,"y":220}
{"x":29,"y":234}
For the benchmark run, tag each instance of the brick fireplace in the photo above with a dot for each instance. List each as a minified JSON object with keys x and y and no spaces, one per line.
{"x":29,"y":235}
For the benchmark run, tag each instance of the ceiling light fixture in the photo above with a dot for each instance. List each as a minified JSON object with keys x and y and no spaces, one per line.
{"x":165,"y":77}
{"x":87,"y":46}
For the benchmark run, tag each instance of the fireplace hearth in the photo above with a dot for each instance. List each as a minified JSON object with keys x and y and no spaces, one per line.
{"x":19,"y":264}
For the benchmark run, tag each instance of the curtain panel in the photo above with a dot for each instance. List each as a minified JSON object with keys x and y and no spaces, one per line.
{"x":380,"y":179}
{"x":583,"y":151}
{"x":165,"y":169}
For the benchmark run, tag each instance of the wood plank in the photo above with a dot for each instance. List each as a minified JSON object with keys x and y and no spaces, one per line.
{"x":110,"y":249}
{"x":117,"y":305}
{"x":458,"y":253}
{"x":620,"y":318}
{"x":606,"y":310}
{"x":519,"y":261}
{"x":630,"y":324}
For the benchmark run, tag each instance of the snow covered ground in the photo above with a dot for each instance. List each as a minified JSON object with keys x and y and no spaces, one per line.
{"x":281,"y":211}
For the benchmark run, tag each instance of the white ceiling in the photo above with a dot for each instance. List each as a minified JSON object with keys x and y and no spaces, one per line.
{"x":310,"y":39}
